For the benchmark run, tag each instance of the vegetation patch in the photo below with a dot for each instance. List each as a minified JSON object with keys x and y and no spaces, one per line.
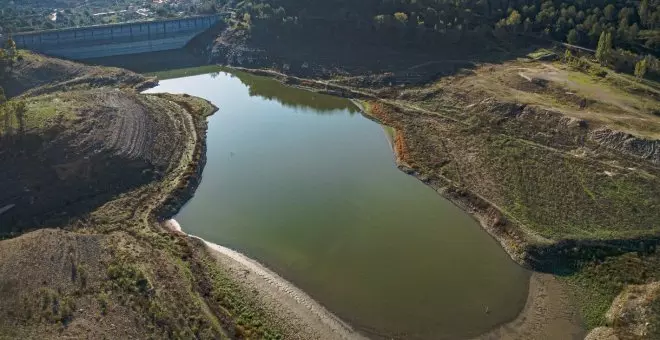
{"x":597,"y":283}
{"x":241,"y":312}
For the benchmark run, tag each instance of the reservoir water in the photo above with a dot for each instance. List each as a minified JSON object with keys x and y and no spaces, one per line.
{"x":306,"y":185}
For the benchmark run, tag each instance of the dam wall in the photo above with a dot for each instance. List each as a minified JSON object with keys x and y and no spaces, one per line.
{"x":115,"y":39}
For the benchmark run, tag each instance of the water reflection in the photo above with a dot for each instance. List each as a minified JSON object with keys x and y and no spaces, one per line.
{"x":270,"y":89}
{"x":180,"y":63}
{"x":292,"y":97}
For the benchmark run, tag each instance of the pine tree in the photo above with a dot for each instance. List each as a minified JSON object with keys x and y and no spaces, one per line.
{"x":644,"y":12}
{"x":640,"y":68}
{"x":10,"y":48}
{"x":572,"y":37}
{"x":604,"y":49}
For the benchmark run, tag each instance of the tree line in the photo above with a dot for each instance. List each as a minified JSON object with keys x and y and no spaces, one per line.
{"x":12,"y":112}
{"x":630,"y":29}
{"x":634,"y":25}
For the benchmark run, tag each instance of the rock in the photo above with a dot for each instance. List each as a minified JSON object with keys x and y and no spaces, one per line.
{"x":631,"y":312}
{"x":628,"y":144}
{"x":602,"y":333}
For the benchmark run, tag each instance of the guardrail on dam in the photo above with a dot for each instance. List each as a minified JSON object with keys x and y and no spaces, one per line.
{"x":115,"y":39}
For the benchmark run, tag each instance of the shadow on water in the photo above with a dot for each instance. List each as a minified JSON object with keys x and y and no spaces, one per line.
{"x":292,"y":97}
{"x":153,"y":62}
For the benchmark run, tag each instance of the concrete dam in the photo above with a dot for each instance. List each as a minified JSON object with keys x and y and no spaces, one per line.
{"x":115,"y":39}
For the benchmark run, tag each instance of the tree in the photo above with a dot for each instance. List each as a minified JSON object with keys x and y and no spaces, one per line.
{"x":527,"y":25}
{"x":644,"y":12}
{"x":595,"y":32}
{"x":401,"y":17}
{"x":604,"y":49}
{"x":572,"y":37}
{"x":20,"y":109}
{"x":609,"y":12}
{"x":10,"y":49}
{"x":430,"y":18}
{"x":640,"y":68}
{"x":514,"y":19}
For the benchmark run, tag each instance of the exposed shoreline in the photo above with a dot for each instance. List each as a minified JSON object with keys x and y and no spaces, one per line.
{"x":302,"y":316}
{"x":547,"y":313}
{"x":547,"y":310}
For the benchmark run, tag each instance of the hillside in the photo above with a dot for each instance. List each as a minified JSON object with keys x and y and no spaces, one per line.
{"x":86,"y":247}
{"x":93,"y":171}
{"x":39,"y":74}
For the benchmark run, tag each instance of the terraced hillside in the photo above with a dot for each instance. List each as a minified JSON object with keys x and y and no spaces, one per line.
{"x":68,"y":152}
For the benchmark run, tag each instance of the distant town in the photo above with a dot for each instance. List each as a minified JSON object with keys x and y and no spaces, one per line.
{"x":19,"y":17}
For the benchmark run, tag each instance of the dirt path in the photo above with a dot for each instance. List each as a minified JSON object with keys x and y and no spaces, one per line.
{"x":548,"y":314}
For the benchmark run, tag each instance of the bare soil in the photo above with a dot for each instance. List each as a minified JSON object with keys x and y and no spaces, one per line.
{"x":548,"y":314}
{"x":299,"y":316}
{"x":113,"y":141}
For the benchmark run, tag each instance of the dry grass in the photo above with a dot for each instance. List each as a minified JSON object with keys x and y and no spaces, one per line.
{"x":615,"y":101}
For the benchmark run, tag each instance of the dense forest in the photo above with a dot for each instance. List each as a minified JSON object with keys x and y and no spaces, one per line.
{"x":634,"y":25}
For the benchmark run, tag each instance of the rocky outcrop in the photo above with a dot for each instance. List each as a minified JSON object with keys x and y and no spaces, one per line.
{"x":230,"y":48}
{"x":633,"y":315}
{"x":602,"y":333}
{"x":646,"y":149}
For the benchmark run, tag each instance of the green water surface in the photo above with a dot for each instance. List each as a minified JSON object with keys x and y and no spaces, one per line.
{"x":306,"y":185}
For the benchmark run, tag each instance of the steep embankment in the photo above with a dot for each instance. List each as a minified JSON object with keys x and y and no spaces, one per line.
{"x":106,"y":158}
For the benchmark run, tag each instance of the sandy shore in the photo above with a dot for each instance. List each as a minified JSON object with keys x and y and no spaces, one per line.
{"x":299,"y":315}
{"x":548,"y":314}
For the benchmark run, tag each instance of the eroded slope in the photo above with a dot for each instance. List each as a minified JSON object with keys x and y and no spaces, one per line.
{"x":75,"y":150}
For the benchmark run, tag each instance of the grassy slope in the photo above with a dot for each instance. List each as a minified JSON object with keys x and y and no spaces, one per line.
{"x":32,"y":72}
{"x":539,"y":170}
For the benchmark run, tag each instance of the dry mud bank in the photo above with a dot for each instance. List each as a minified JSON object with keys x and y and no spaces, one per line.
{"x":298,"y":314}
